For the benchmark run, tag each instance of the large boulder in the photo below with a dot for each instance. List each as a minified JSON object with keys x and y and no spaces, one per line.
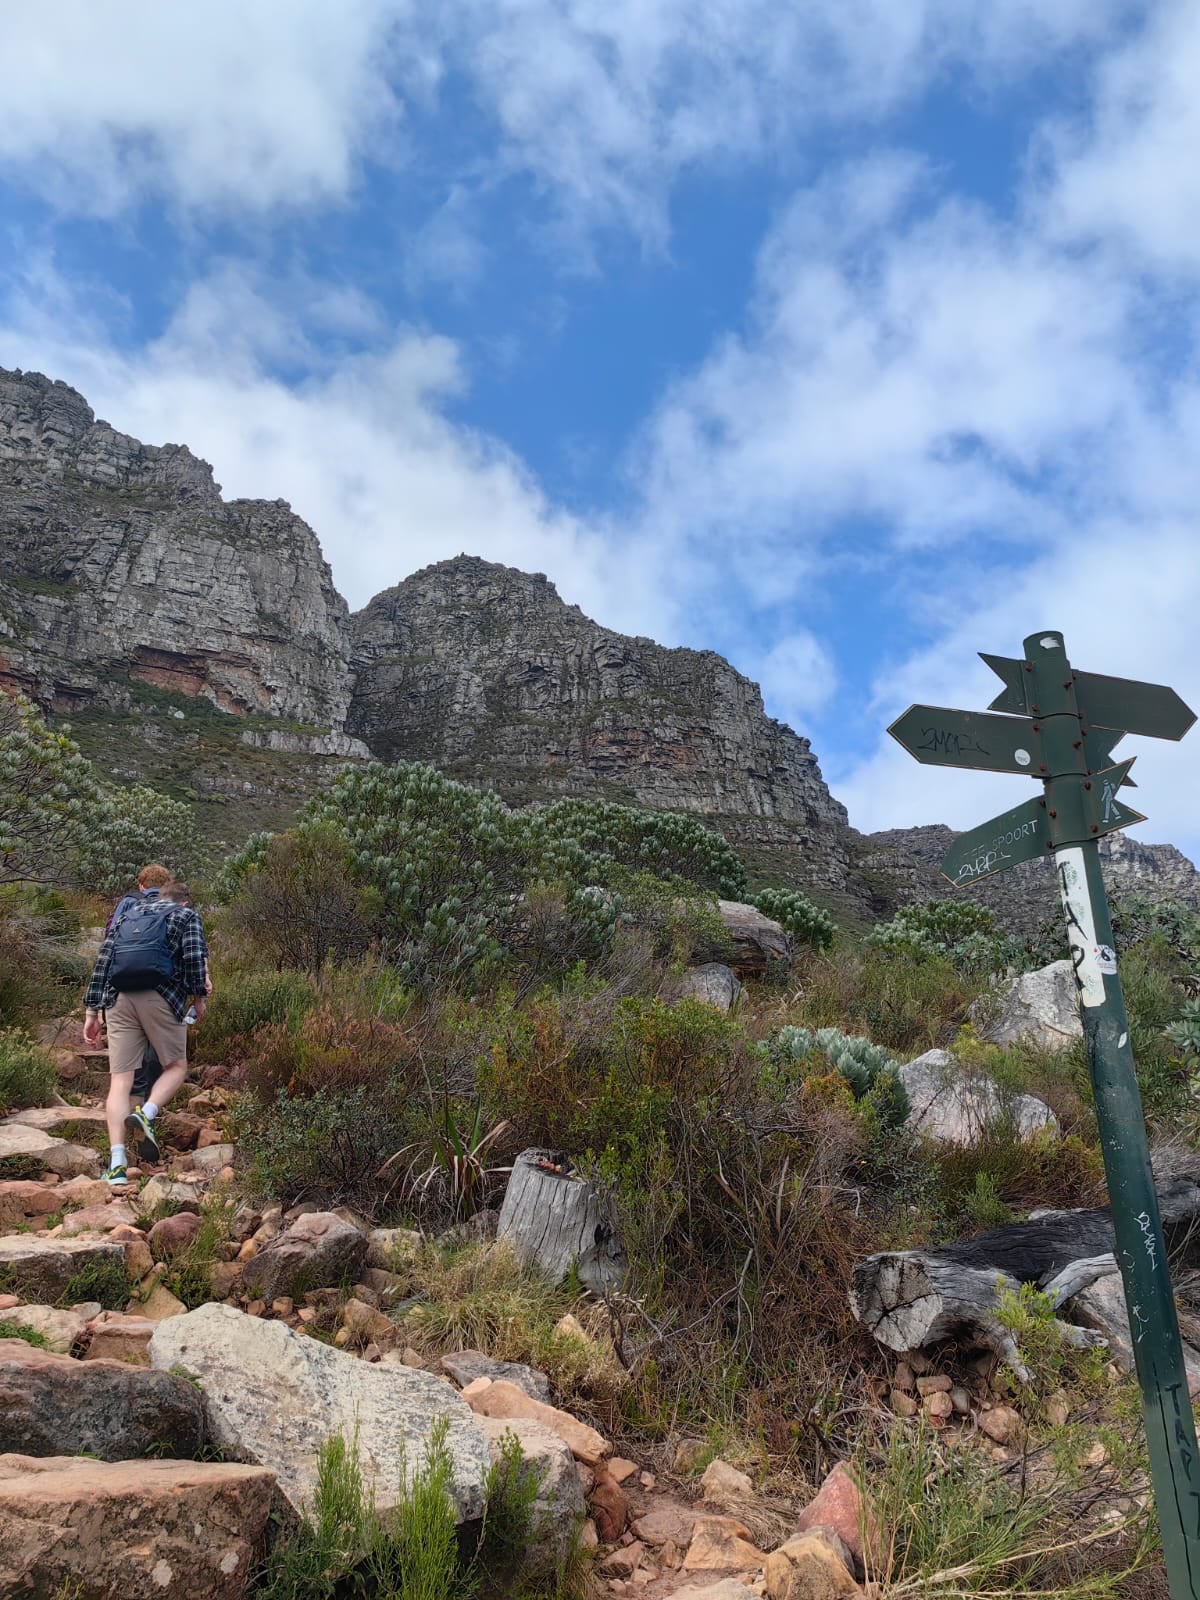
{"x":62,"y":1330}
{"x":41,"y":1269}
{"x":558,"y":1508}
{"x":1039,"y":1008}
{"x":27,"y":1148}
{"x":318,"y":1251}
{"x":51,"y":1405}
{"x":953,"y":1106}
{"x":144,"y":1530}
{"x":274,"y":1396}
{"x":759,"y":944}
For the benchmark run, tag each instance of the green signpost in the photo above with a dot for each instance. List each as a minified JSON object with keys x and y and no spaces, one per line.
{"x":1060,"y":726}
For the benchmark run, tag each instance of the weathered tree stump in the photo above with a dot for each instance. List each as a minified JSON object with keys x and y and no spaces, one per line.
{"x":555,"y":1221}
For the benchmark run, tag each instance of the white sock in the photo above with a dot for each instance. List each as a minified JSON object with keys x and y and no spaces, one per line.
{"x":149,"y":1110}
{"x":118,"y":1155}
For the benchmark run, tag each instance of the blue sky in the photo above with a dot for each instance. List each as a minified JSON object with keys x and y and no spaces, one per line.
{"x":845,"y":338}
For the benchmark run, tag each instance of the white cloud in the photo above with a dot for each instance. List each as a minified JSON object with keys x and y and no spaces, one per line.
{"x":1130,"y":169}
{"x":797,"y":676}
{"x":603,"y":103}
{"x":225,"y":103}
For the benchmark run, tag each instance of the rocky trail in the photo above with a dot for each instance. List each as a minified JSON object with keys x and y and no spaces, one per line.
{"x":143,"y":1445}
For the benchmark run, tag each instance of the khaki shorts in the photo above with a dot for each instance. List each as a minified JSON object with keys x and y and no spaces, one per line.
{"x":138,"y":1018}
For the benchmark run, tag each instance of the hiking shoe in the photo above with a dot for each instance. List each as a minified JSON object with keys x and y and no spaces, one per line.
{"x":115,"y":1177}
{"x":142,"y":1129}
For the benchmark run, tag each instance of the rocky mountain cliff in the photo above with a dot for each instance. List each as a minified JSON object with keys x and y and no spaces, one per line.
{"x":485,"y":672}
{"x":200,"y":644}
{"x":120,"y":564}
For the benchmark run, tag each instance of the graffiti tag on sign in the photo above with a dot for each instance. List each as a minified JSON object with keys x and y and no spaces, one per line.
{"x":1081,"y":926}
{"x":995,"y":852}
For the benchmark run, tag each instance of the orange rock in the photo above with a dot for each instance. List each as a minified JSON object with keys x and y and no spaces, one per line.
{"x":619,"y":1469}
{"x":721,"y":1544}
{"x":504,"y":1399}
{"x":808,"y":1567}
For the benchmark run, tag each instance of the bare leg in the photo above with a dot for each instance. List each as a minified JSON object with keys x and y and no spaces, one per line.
{"x":116,"y":1107}
{"x":166,"y":1085}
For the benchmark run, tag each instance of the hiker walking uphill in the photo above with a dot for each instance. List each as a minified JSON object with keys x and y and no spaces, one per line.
{"x":151,"y":968}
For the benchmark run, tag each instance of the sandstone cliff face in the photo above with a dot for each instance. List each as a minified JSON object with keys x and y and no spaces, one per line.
{"x":486,"y":673}
{"x":121,"y":564}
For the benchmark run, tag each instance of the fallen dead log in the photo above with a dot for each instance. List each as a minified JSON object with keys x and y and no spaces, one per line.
{"x":911,"y":1298}
{"x":557,"y":1222}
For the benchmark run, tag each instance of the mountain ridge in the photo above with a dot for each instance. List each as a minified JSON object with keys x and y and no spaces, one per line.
{"x":202,"y":644}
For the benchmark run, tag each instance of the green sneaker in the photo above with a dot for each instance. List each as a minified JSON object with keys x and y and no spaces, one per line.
{"x":115,"y":1177}
{"x":142,"y":1128}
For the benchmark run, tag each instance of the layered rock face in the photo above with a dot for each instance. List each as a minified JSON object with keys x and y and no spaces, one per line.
{"x":485,"y":672}
{"x":120,"y":564}
{"x":1025,"y":896}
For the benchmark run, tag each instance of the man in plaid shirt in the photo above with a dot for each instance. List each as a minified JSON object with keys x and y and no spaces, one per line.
{"x":137,"y":1017}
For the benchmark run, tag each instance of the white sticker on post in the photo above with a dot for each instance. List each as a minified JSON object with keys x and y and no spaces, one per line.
{"x":1081,"y":927}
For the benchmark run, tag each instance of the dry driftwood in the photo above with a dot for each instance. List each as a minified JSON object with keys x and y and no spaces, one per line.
{"x":911,"y":1298}
{"x":555,"y":1221}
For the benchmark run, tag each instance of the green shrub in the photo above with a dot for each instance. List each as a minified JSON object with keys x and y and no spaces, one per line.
{"x":104,"y":1279}
{"x":244,"y":1001}
{"x":960,"y":931}
{"x":325,"y":1049}
{"x":449,"y":881}
{"x":802,"y":921}
{"x":41,"y":971}
{"x":328,"y":1146}
{"x":909,"y":1001}
{"x":27,"y":1074}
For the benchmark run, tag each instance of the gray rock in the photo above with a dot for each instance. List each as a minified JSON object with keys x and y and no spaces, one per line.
{"x":1101,"y":1306}
{"x":53,"y":1119}
{"x":759,"y":943}
{"x":41,"y":1269}
{"x":211,"y":1158}
{"x":558,"y":1509}
{"x":31,"y":1145}
{"x":318,"y":1251}
{"x":1041,"y":1008}
{"x":464,"y":1366}
{"x":953,"y":1106}
{"x":274,"y":1396}
{"x":51,"y":1405}
{"x":714,"y":983}
{"x":386,"y":1246}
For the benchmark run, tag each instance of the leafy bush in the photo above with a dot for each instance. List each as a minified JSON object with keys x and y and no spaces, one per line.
{"x":60,"y":822}
{"x":802,"y":921}
{"x":868,"y":1069}
{"x":448,"y":879}
{"x":1136,"y":919}
{"x":244,"y":1001}
{"x":964,"y":933}
{"x":27,"y":1075}
{"x":299,"y":905}
{"x":328,"y":1146}
{"x":325,"y":1049}
{"x":909,"y":1004}
{"x":1185,"y":1031}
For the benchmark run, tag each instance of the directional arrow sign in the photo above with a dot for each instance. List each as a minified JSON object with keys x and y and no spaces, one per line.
{"x":1018,"y":835}
{"x":1098,"y":744}
{"x":1103,"y":810}
{"x":1013,"y":696}
{"x":1147,"y":708}
{"x":943,"y":738}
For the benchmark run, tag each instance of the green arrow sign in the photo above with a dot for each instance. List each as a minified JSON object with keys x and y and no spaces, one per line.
{"x":1102,"y":809}
{"x":1018,"y":835}
{"x":1013,"y":696}
{"x":1124,"y":703}
{"x":1098,"y":747}
{"x":942,"y":738}
{"x":1149,"y":708}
